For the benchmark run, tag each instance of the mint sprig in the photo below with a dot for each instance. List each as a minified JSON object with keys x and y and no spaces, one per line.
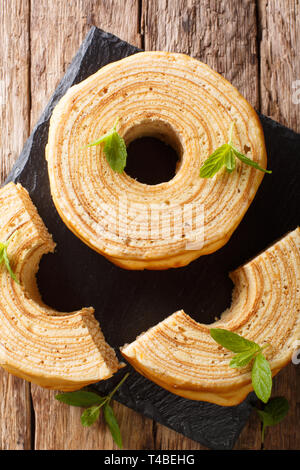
{"x":93,"y":402}
{"x":262,"y":377}
{"x":273,"y":413}
{"x":82,"y":398}
{"x":247,"y":351}
{"x":114,"y":148}
{"x":113,"y":425}
{"x":4,"y":259}
{"x":232,"y":341}
{"x":226,"y":156}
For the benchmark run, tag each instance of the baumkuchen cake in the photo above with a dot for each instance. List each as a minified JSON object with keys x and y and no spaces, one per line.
{"x":180,"y":355}
{"x":53,"y":349}
{"x":181,"y":101}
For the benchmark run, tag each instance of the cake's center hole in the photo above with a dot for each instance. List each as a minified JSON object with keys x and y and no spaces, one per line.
{"x":154,"y":153}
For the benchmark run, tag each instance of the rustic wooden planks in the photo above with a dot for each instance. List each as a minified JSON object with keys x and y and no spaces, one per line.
{"x":57,"y":30}
{"x":280,"y":65}
{"x":222,"y":34}
{"x":253,"y":43}
{"x":14,"y":81}
{"x":58,"y":427}
{"x":15,"y":413}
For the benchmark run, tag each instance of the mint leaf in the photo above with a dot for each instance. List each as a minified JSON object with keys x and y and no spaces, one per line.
{"x":7,"y":264}
{"x":230,"y":161}
{"x":273,"y":413}
{"x":116,"y":152}
{"x":248,"y":161}
{"x":114,"y":149}
{"x":1,"y":252}
{"x":233,"y":341}
{"x":262,"y":378}
{"x":225,"y":156}
{"x":112,"y":423}
{"x":215,"y":162}
{"x":94,"y":403}
{"x":80,"y":398}
{"x":102,"y":139}
{"x":4,"y":259}
{"x":247,"y":350}
{"x":242,"y":359}
{"x":90,"y":415}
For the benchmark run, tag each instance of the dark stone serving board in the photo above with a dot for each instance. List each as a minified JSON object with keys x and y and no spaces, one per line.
{"x":129,"y":302}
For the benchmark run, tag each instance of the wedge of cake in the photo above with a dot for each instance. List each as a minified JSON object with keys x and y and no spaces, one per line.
{"x":56,"y":350}
{"x":180,"y":355}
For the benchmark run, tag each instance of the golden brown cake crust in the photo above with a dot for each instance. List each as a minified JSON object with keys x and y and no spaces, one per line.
{"x":175,"y":98}
{"x":55,"y":350}
{"x":180,"y":355}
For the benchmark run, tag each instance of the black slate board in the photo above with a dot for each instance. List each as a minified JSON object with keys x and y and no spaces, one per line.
{"x":129,"y":302}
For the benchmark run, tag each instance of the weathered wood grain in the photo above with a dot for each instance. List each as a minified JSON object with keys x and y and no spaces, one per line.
{"x":57,"y":29}
{"x":15,"y":414}
{"x":250,"y":437}
{"x":280,"y":65}
{"x":14,"y":81}
{"x":58,"y":427}
{"x":221,"y":33}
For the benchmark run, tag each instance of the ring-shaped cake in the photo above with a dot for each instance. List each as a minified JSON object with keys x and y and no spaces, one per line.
{"x":183,"y":102}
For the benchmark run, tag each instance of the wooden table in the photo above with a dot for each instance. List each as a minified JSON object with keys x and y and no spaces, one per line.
{"x":253,"y":43}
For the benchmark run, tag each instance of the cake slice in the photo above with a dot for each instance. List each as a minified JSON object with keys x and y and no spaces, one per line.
{"x":180,"y":355}
{"x":56,"y":350}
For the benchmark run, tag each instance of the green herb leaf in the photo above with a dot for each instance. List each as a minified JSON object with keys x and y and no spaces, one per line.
{"x":225,"y":156}
{"x":262,"y":378}
{"x":112,"y":423}
{"x":81,"y":398}
{"x":248,"y":161}
{"x":94,"y":402}
{"x":114,"y":149}
{"x":247,"y":350}
{"x":273,"y":413}
{"x":116,"y":152}
{"x":90,"y":415}
{"x":4,"y":258}
{"x":216,"y":161}
{"x":242,"y":359}
{"x":102,"y":139}
{"x":230,"y":162}
{"x":7,"y":264}
{"x":233,"y":341}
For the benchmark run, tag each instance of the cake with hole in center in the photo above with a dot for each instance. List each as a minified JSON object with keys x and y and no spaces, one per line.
{"x":187,"y":105}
